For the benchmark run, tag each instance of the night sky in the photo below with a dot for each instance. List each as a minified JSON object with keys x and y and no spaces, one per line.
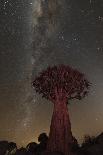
{"x":34,"y":35}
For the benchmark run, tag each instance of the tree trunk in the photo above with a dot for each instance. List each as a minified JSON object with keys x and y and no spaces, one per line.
{"x":60,"y":136}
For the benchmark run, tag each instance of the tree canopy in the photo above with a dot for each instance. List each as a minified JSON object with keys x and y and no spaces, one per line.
{"x":61,"y":81}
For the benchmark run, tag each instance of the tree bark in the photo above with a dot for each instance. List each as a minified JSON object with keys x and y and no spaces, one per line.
{"x":60,"y":136}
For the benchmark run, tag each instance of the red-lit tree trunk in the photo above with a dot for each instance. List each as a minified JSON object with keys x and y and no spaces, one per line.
{"x":60,"y":137}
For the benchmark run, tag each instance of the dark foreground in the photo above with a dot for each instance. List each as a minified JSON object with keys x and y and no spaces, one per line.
{"x":90,"y":146}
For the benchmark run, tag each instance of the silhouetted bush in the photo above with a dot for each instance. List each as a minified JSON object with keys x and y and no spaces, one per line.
{"x":3,"y":147}
{"x":21,"y":151}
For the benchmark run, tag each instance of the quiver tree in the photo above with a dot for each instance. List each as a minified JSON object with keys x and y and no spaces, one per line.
{"x":59,"y":84}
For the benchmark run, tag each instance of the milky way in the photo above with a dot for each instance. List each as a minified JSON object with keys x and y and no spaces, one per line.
{"x":34,"y":35}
